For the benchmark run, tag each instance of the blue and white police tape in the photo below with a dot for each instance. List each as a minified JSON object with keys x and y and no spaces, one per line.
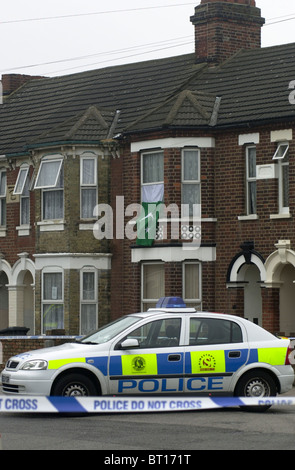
{"x":129,"y":404}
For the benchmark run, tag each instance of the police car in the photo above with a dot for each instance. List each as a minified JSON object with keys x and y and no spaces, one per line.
{"x":168,"y":350}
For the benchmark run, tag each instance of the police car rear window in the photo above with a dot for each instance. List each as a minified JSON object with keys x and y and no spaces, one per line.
{"x":214,"y":331}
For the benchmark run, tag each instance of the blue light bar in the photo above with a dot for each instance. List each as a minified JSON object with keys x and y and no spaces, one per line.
{"x":171,"y":302}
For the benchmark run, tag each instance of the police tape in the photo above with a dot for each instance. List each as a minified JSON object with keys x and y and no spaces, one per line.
{"x":110,"y":404}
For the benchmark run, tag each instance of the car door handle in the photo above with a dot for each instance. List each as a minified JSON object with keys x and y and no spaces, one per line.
{"x":174,"y":357}
{"x":234,"y":354}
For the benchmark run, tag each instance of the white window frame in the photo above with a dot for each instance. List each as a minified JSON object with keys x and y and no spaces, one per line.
{"x":281,"y":152}
{"x":52,"y":301}
{"x":46,"y":161}
{"x":282,"y":163}
{"x":3,"y":199}
{"x":185,"y":214}
{"x":85,"y":186}
{"x":145,"y":301}
{"x":19,"y":188}
{"x":143,"y":155}
{"x":250,"y":180}
{"x":193,"y":302}
{"x":23,"y":170}
{"x":93,"y":301}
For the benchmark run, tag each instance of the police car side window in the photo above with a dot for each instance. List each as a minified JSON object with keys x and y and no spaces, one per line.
{"x":205,"y":331}
{"x":157,"y":334}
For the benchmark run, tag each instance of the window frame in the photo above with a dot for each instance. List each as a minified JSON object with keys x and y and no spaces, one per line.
{"x":195,"y":302}
{"x":24,"y":169}
{"x":88,"y":186}
{"x":143,"y":155}
{"x":44,"y":161}
{"x":93,"y":301}
{"x":250,"y":180}
{"x":3,"y":198}
{"x":47,"y":302}
{"x":283,"y":163}
{"x":146,"y":301}
{"x":185,"y":182}
{"x":280,"y":145}
{"x":25,"y":186}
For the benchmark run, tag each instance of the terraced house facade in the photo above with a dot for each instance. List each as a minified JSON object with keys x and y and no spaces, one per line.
{"x":208,"y":135}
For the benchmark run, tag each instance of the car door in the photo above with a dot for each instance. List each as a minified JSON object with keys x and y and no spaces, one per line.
{"x":155,"y":365}
{"x":215,"y":353}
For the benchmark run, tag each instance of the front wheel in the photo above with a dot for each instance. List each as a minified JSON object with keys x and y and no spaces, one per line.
{"x":74,"y":385}
{"x":257,"y":384}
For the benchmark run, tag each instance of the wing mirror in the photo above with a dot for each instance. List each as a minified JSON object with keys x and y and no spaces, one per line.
{"x":130,"y":343}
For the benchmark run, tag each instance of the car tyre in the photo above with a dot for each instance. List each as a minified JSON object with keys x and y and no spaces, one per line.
{"x":74,"y":385}
{"x":257,"y":384}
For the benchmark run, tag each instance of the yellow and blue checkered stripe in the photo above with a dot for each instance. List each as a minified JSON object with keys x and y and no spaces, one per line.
{"x":191,"y":362}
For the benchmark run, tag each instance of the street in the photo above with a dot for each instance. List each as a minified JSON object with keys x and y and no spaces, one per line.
{"x":221,"y":429}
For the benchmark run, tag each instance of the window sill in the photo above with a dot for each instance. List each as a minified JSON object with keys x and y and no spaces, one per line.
{"x":87,"y":224}
{"x":51,"y":225}
{"x":23,"y":230}
{"x":2,"y":231}
{"x":280,"y":216}
{"x":248,"y":217}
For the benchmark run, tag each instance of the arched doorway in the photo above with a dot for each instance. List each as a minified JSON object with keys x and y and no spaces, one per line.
{"x":280,"y":275}
{"x":252,"y":294}
{"x":287,"y":299}
{"x":245,"y":274}
{"x":29,"y":310}
{"x":3,"y":301}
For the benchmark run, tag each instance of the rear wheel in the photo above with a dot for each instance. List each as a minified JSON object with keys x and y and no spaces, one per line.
{"x":257,"y":384}
{"x":74,"y":385}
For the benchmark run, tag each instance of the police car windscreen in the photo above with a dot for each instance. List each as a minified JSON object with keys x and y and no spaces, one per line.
{"x":106,"y":333}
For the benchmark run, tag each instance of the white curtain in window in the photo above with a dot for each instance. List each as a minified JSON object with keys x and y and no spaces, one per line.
{"x":2,"y":183}
{"x":88,"y":171}
{"x":53,"y":317}
{"x":52,"y":286}
{"x":88,"y":202}
{"x":52,"y":205}
{"x":88,"y":286}
{"x":153,"y":281}
{"x":191,"y":165}
{"x":192,"y":282}
{"x":153,"y":167}
{"x":88,"y":318}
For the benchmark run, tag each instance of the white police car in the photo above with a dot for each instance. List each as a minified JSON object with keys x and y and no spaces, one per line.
{"x":168,"y":350}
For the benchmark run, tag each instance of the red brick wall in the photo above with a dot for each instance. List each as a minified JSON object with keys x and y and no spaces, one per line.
{"x":13,"y":244}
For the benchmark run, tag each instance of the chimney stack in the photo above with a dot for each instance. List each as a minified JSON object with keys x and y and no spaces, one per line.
{"x":223,"y":27}
{"x":12,"y":81}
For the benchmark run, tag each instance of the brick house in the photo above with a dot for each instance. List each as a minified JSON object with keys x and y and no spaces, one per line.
{"x":210,"y":132}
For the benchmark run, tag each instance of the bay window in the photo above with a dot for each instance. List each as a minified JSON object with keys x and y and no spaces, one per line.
{"x":50,"y":180}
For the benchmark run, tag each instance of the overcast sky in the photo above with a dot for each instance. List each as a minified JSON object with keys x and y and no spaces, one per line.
{"x":59,"y":37}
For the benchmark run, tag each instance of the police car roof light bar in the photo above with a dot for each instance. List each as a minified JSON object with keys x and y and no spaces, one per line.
{"x":170,"y":302}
